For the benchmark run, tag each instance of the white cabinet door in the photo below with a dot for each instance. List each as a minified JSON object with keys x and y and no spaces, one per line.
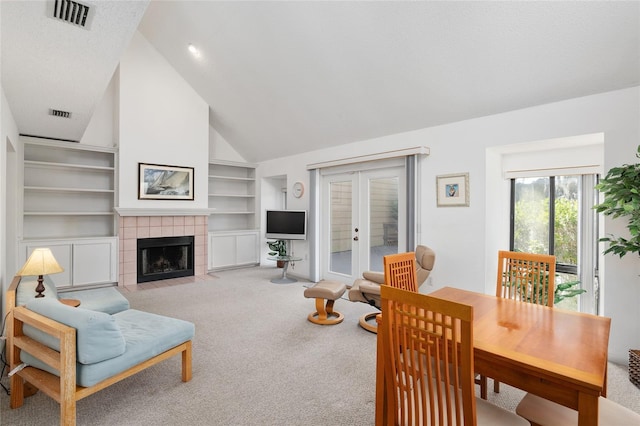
{"x":232,"y":249}
{"x":62,"y":251}
{"x":246,"y":248}
{"x":85,"y":261}
{"x":94,"y":262}
{"x":222,"y":251}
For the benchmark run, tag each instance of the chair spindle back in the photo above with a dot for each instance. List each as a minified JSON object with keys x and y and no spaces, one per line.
{"x":425,"y":361}
{"x":400,"y":271}
{"x":526,"y":277}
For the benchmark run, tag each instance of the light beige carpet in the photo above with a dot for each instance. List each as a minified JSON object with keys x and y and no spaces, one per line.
{"x":256,"y":361}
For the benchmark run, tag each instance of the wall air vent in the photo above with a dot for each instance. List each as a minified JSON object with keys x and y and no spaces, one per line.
{"x":72,"y":12}
{"x":58,"y":113}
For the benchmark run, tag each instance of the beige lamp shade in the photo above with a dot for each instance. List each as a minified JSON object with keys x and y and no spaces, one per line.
{"x":41,"y":262}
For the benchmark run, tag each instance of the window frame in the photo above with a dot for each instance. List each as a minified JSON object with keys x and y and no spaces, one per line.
{"x":587,"y":230}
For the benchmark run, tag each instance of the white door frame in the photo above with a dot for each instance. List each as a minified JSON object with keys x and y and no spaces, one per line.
{"x":359,"y":175}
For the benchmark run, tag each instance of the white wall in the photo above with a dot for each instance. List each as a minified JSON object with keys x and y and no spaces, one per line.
{"x":466,"y":252}
{"x":101,"y":129}
{"x":162,"y":120}
{"x":8,"y":195}
{"x":220,"y":149}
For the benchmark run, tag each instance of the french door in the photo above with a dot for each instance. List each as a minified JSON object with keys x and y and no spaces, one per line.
{"x":364,"y":221}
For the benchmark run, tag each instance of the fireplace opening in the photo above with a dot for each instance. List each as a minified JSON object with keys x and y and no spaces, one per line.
{"x":164,"y":258}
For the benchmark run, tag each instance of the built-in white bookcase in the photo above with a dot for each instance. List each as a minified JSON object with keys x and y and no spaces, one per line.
{"x":233,"y":237}
{"x":69,"y":195}
{"x":69,"y":190}
{"x":232,"y":195}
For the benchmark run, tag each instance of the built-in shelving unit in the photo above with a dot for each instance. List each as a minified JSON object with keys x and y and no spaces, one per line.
{"x":233,"y":237}
{"x":69,"y":190}
{"x":232,"y":195}
{"x":69,"y":195}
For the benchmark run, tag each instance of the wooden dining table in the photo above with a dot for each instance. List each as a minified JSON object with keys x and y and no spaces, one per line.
{"x":556,"y":354}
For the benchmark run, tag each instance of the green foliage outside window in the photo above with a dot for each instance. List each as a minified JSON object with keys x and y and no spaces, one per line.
{"x":531,"y":227}
{"x":531,"y":230}
{"x":566,"y":225}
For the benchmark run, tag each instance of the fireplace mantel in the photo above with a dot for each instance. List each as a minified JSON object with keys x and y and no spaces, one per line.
{"x":123,"y":211}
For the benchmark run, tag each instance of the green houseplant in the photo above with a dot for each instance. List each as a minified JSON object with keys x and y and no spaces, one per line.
{"x":278,"y":248}
{"x":621,"y":189}
{"x":561,"y":292}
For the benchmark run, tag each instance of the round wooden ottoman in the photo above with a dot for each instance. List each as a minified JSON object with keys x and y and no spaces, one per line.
{"x":329,"y":291}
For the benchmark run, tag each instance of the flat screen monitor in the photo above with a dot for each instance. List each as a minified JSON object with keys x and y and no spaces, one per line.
{"x":287,"y":224}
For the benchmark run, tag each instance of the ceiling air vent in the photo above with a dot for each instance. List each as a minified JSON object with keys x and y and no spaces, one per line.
{"x":72,"y":12}
{"x":58,"y":113}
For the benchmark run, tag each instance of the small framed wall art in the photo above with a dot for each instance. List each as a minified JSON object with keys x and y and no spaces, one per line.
{"x":453,"y":190}
{"x":158,"y":182}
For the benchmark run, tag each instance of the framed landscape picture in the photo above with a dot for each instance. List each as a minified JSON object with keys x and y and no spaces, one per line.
{"x":453,"y":190}
{"x":158,"y":182}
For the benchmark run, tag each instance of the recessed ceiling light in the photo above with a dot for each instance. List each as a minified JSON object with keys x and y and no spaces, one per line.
{"x":194,"y":51}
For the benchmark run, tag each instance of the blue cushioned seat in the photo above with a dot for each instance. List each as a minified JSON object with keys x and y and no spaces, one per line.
{"x":107,"y":299}
{"x":145,"y":335}
{"x":98,"y":335}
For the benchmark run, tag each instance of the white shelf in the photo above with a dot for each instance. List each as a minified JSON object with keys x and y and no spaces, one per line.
{"x":233,"y":195}
{"x":233,"y":239}
{"x":69,"y":190}
{"x":53,"y":189}
{"x":235,"y":232}
{"x":68,"y":213}
{"x":47,"y":164}
{"x":230,"y":212}
{"x":241,"y":179}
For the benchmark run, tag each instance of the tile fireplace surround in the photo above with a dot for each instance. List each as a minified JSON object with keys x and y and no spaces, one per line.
{"x":134,"y":227}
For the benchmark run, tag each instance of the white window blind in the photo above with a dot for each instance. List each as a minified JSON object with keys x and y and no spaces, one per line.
{"x":578,"y":155}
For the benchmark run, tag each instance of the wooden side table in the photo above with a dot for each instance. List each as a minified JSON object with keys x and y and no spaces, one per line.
{"x":71,"y":302}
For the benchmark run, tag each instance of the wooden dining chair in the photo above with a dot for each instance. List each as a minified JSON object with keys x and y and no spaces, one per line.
{"x":525,"y":277}
{"x":401,"y":270}
{"x":424,"y":370}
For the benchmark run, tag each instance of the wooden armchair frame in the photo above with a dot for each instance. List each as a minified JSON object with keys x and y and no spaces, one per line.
{"x":63,"y":389}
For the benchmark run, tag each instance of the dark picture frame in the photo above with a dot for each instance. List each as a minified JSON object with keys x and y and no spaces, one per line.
{"x":163,"y":182}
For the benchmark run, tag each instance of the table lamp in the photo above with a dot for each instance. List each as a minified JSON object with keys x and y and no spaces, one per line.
{"x":41,"y":262}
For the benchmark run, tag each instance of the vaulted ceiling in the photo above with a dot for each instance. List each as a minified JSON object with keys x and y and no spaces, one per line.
{"x":300,"y":75}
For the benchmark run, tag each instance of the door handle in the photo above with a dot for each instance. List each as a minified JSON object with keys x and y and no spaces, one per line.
{"x":356,"y":238}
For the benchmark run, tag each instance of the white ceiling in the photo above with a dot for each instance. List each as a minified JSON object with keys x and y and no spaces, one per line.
{"x":289,"y":77}
{"x":47,"y":63}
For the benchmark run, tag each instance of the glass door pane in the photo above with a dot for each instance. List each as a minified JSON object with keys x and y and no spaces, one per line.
{"x":362,"y":224}
{"x":565,"y":236}
{"x":531,"y":215}
{"x":383,"y":220}
{"x":340,"y":227}
{"x":566,"y":220}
